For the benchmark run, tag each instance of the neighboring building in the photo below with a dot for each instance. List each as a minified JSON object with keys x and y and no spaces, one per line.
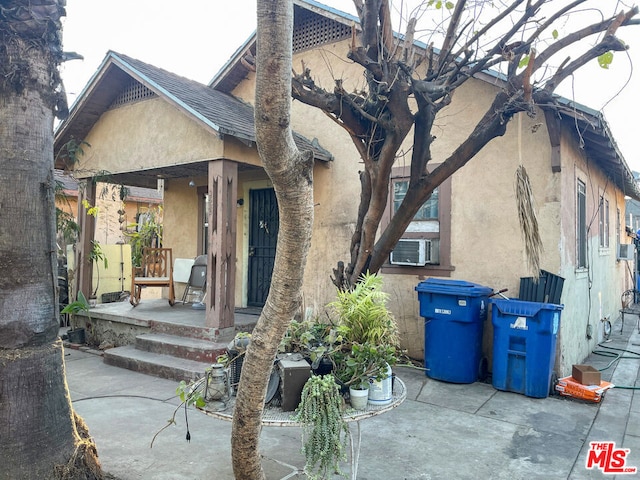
{"x":145,"y":124}
{"x":632,"y":209}
{"x":110,"y":223}
{"x":632,"y":221}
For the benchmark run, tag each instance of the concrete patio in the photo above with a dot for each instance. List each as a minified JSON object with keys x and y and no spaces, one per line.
{"x":441,"y":431}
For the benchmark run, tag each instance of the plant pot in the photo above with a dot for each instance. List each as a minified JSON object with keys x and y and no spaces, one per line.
{"x":358,"y":398}
{"x":76,"y":335}
{"x":381,"y":391}
{"x":324,"y":367}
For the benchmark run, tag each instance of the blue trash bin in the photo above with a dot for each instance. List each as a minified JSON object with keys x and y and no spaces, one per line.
{"x":524,"y":345}
{"x":454,"y":313}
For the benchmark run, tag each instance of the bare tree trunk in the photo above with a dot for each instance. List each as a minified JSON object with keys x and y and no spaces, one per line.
{"x":39,"y":438}
{"x":292,"y":175}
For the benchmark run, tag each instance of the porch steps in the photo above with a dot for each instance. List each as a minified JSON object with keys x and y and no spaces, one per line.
{"x":156,"y":364}
{"x":183,"y":347}
{"x":166,"y":356}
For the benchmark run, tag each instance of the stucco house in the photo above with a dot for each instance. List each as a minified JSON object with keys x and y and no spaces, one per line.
{"x":150,"y":127}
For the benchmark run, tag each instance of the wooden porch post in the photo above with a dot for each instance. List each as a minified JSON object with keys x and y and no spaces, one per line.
{"x":87,"y":225}
{"x":221,"y":274}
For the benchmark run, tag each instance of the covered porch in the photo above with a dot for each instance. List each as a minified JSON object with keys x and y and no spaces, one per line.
{"x":210,"y":229}
{"x":143,"y":126}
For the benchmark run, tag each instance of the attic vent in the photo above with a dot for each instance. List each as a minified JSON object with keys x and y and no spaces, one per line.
{"x":313,"y":30}
{"x":134,"y":92}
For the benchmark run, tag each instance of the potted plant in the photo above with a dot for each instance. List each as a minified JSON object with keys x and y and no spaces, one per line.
{"x":324,"y":431}
{"x":358,"y":345}
{"x":364,"y":367}
{"x":76,"y":334}
{"x":315,"y":340}
{"x":362,"y":313}
{"x":369,"y":335}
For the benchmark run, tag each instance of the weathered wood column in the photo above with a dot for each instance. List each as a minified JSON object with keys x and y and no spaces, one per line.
{"x":87,"y":226}
{"x":221,"y":271}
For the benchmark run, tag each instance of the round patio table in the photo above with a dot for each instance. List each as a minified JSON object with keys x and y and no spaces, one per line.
{"x":275,"y":417}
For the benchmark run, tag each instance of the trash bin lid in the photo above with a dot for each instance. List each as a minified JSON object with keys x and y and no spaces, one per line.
{"x":453,"y":287}
{"x":513,"y":306}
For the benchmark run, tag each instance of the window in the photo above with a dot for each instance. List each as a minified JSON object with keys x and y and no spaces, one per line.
{"x":603,"y":221}
{"x":425,"y":247}
{"x":581,"y":225}
{"x":428,"y":211}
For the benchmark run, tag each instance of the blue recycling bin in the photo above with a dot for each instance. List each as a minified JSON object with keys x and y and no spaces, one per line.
{"x":524,"y":345}
{"x":454,"y":312}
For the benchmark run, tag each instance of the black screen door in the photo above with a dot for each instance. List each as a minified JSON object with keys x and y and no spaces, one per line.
{"x":263,"y":235}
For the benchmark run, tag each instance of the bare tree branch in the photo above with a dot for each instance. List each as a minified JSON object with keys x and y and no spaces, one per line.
{"x":452,"y":30}
{"x":578,"y":35}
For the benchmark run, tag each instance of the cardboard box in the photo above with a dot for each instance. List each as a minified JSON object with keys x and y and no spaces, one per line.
{"x":586,"y":375}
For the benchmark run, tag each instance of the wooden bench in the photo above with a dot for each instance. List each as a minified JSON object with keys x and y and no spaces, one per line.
{"x":155,"y":270}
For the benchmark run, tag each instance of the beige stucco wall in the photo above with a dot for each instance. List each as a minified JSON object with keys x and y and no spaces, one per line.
{"x":484,"y":220}
{"x":336,"y":186}
{"x":589,"y":295}
{"x":146,"y":134}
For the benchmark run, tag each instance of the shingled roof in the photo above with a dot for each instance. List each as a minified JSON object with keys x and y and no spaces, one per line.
{"x":218,"y":111}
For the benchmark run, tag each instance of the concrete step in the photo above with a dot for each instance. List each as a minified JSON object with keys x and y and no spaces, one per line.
{"x":156,"y":364}
{"x":182,"y":347}
{"x":181,"y":330}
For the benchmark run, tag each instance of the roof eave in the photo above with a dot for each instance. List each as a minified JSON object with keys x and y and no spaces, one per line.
{"x":158,"y":89}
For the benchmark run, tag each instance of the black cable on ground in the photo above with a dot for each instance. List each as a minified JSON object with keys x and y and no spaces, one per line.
{"x":617,"y":357}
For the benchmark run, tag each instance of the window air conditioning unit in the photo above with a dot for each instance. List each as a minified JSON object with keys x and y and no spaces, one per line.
{"x":415,"y":252}
{"x":626,"y":251}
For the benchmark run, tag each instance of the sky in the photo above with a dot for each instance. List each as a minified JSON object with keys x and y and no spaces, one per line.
{"x":195,"y":38}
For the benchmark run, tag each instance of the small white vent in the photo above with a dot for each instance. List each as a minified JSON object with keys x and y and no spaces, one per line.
{"x":133,"y":92}
{"x":626,"y":251}
{"x":415,"y":252}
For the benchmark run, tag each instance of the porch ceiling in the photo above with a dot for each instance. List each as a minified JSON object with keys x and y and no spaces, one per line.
{"x":149,"y":178}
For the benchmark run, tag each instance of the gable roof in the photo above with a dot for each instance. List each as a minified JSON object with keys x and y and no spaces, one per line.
{"x":217,"y":111}
{"x":304,"y":12}
{"x":590,"y":125}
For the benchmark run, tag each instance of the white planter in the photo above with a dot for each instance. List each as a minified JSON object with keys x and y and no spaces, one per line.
{"x":359,"y":398}
{"x":380,"y":391}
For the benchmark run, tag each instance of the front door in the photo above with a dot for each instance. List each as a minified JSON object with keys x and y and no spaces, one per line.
{"x":263,"y":234}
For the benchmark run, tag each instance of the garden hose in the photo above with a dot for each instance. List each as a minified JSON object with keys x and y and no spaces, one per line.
{"x":617,"y":356}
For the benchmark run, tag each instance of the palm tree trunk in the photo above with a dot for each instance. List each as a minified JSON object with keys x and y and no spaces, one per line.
{"x":39,"y":437}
